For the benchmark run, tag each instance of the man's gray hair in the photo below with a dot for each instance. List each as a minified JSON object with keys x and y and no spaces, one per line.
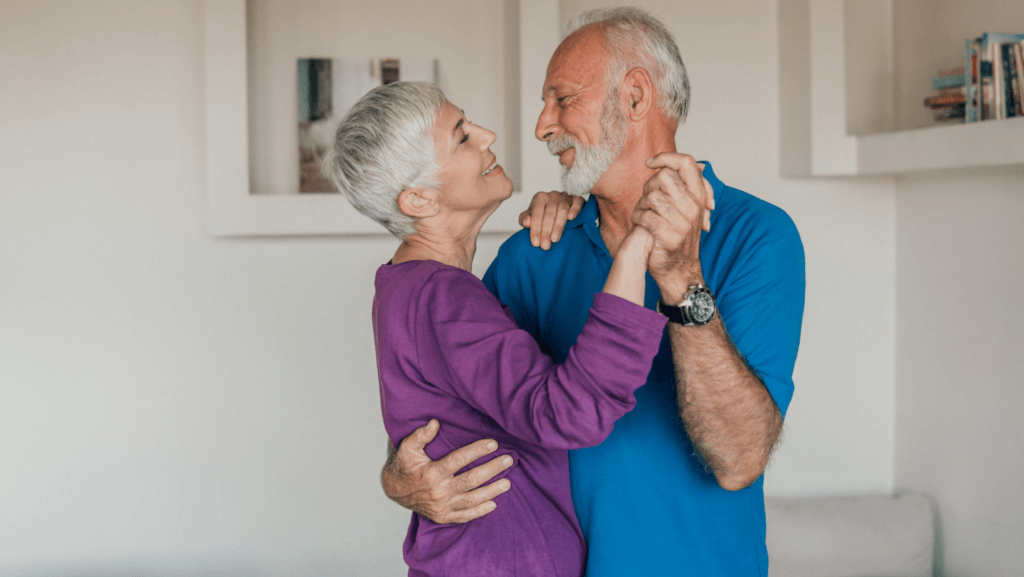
{"x":383,"y":146}
{"x":634,"y":38}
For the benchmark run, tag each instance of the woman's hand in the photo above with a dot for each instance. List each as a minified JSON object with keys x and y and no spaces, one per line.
{"x":637,"y":245}
{"x":628,"y":277}
{"x":675,"y":207}
{"x":547,"y":215}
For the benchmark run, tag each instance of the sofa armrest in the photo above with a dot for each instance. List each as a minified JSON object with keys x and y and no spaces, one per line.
{"x":850,"y":536}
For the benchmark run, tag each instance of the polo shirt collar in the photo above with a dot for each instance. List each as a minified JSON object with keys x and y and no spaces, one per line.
{"x":709,"y":173}
{"x":587,"y":214}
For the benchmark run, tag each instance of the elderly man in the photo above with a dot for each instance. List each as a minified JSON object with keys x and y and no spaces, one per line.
{"x":676,"y":489}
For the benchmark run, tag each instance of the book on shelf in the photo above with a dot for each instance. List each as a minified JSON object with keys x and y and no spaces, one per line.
{"x":1018,"y":53}
{"x":972,"y":81}
{"x":939,"y":100}
{"x":950,"y":115}
{"x":955,"y":80}
{"x":1011,"y":97}
{"x":948,"y":103}
{"x":994,"y":76}
{"x":1012,"y":87}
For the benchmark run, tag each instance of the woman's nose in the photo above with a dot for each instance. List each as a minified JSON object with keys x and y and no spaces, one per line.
{"x":488,"y":138}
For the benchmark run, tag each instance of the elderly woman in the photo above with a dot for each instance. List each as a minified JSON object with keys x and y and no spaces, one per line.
{"x":409,"y":159}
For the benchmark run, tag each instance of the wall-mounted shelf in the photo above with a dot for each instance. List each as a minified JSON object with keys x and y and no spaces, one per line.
{"x":837,"y":99}
{"x":977,"y":144}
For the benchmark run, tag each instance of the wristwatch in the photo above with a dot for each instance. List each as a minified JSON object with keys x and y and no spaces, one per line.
{"x":696,"y":310}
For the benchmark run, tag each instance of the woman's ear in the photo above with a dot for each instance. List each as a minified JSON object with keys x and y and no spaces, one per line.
{"x":638,"y":91}
{"x":419,"y":202}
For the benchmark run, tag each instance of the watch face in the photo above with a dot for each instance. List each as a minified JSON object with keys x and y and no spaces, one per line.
{"x":703,"y":307}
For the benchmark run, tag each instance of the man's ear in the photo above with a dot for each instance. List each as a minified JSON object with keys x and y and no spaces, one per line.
{"x":638,"y":94}
{"x":419,"y":202}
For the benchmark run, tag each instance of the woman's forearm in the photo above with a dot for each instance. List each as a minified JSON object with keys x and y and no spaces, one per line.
{"x":627,"y":279}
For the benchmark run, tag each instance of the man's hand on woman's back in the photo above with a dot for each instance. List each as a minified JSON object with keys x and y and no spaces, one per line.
{"x":432,"y":489}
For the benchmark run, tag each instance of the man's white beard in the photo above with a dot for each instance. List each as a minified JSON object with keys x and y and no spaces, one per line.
{"x":592,"y":162}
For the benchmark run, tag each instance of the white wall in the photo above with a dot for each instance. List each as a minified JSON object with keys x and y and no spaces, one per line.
{"x":960,"y":321}
{"x":173,"y":403}
{"x":170,"y":402}
{"x":960,"y":328}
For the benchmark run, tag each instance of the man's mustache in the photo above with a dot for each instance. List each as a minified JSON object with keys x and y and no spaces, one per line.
{"x":561,"y":143}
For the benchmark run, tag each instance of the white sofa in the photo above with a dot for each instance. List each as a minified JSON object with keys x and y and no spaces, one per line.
{"x":850,"y":536}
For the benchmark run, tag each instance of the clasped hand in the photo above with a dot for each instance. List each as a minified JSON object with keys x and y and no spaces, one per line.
{"x":675,"y":208}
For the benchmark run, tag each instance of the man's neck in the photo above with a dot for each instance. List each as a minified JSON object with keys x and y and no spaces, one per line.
{"x":623,"y":184}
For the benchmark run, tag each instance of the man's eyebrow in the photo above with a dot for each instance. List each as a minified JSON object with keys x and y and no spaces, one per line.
{"x":553,"y":89}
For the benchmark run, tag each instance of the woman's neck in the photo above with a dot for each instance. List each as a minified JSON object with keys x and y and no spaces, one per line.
{"x":422,"y":245}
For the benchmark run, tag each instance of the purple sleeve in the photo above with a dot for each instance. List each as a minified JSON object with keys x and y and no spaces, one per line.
{"x":476,"y":351}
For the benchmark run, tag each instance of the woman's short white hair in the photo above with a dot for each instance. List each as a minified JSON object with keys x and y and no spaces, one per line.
{"x":634,"y":38}
{"x":384,"y":145}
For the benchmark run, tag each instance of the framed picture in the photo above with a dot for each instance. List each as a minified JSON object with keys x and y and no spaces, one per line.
{"x":327,"y":88}
{"x":252,"y":146}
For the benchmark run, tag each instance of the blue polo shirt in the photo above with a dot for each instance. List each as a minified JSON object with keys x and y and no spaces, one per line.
{"x":645,"y":503}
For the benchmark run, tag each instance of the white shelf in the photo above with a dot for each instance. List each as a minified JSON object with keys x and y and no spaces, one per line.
{"x":977,"y":144}
{"x":837,"y":77}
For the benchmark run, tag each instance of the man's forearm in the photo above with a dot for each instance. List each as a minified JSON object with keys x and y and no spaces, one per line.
{"x":387,"y":472}
{"x":729,"y":415}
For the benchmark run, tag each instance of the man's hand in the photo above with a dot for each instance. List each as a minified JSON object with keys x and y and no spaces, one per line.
{"x":674,"y":209}
{"x":430,"y":488}
{"x":547,"y":215}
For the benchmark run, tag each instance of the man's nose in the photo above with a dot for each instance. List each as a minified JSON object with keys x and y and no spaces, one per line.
{"x":547,"y":123}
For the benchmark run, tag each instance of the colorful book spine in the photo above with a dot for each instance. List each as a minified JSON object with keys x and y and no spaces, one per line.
{"x":985,"y":94}
{"x":993,"y":93}
{"x":937,"y":101}
{"x":948,"y":115}
{"x":1001,"y":37}
{"x":1019,"y":60}
{"x":947,"y":81}
{"x":972,"y":81}
{"x":998,"y":83}
{"x":1010,"y":95}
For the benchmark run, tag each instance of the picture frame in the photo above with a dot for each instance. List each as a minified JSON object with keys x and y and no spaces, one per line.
{"x":234,"y":211}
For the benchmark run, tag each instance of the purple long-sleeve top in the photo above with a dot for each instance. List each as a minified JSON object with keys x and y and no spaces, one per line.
{"x":448,"y":349}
